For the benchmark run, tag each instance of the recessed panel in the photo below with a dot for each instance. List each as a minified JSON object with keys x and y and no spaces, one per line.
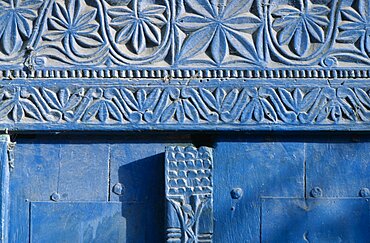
{"x":315,"y":220}
{"x":259,"y":168}
{"x":340,"y":169}
{"x":87,"y":222}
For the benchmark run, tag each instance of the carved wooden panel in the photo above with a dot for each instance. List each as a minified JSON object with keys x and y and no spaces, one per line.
{"x":189,"y":194}
{"x":184,"y":63}
{"x":210,"y":66}
{"x":143,"y":34}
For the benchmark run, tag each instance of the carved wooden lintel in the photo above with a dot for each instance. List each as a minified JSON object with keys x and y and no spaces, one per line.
{"x":184,"y":65}
{"x":168,"y":34}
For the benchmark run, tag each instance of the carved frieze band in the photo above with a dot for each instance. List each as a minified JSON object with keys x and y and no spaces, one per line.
{"x":186,"y":105}
{"x":189,"y":194}
{"x":169,"y":34}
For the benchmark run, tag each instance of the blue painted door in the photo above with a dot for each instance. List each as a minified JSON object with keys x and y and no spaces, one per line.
{"x":295,"y":189}
{"x":87,"y":189}
{"x":250,"y":188}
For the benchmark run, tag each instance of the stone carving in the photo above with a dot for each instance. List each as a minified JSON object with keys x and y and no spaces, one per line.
{"x":206,"y":34}
{"x":189,"y":194}
{"x":207,"y":106}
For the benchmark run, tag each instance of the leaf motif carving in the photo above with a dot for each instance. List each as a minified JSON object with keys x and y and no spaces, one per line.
{"x":138,"y":26}
{"x":218,"y":30}
{"x":16,"y":19}
{"x":298,"y":28}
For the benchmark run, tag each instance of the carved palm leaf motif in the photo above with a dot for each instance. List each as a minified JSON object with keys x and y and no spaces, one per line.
{"x":355,"y":28}
{"x":187,"y":106}
{"x":16,"y":23}
{"x":302,"y":31}
{"x":189,"y":194}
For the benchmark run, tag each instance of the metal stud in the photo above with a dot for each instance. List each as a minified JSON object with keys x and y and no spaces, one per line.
{"x":55,"y":197}
{"x":118,"y":189}
{"x":236,"y":193}
{"x":364,"y":192}
{"x":316,"y":192}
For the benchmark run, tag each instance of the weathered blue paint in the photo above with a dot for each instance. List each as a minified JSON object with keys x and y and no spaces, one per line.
{"x":75,"y":222}
{"x":190,"y":104}
{"x":340,"y":169}
{"x":260,"y":167}
{"x":315,"y":220}
{"x":189,"y":194}
{"x":4,"y":189}
{"x":143,"y":75}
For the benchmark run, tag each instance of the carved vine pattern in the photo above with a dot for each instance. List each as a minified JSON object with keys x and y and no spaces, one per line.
{"x":186,"y":33}
{"x":186,"y":105}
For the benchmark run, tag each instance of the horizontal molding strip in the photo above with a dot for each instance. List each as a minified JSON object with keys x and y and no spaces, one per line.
{"x":179,"y":104}
{"x":193,"y":74}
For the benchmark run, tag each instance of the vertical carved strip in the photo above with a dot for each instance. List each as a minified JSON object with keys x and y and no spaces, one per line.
{"x":189,"y":194}
{"x":4,"y":180}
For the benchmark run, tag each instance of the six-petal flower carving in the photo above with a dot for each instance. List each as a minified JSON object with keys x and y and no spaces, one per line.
{"x":356,"y":26}
{"x":218,"y":28}
{"x":300,"y":27}
{"x":14,"y":23}
{"x":138,"y":25}
{"x":73,"y":27}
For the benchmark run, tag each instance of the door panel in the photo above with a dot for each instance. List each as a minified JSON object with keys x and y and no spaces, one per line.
{"x":260,"y":168}
{"x":61,"y":167}
{"x":340,"y":169}
{"x":140,"y":169}
{"x":61,"y":181}
{"x":65,"y":167}
{"x":315,"y":220}
{"x":288,"y":168}
{"x":84,"y":222}
{"x":112,"y":189}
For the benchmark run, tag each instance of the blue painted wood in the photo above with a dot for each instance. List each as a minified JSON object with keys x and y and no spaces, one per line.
{"x":139,"y":169}
{"x":183,"y":35}
{"x":189,"y":194}
{"x":260,"y":167}
{"x":346,"y":163}
{"x":87,"y":222}
{"x":60,"y":168}
{"x":4,"y":188}
{"x":108,"y":66}
{"x":185,"y":104}
{"x":315,"y":220}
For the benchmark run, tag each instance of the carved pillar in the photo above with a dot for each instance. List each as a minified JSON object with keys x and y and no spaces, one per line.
{"x":189,"y":194}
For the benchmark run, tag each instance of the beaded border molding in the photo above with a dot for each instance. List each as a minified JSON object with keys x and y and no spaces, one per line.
{"x":193,"y":74}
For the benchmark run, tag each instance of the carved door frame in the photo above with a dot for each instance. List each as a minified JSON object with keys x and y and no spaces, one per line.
{"x":188,"y":65}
